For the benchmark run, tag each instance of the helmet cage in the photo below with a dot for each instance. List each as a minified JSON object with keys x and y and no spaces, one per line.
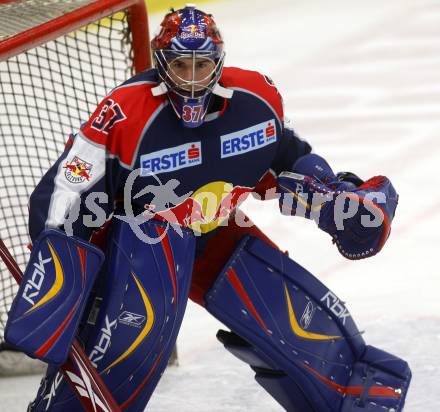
{"x":194,"y":89}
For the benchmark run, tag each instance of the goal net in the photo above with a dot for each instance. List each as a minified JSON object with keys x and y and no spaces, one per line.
{"x":58,"y":59}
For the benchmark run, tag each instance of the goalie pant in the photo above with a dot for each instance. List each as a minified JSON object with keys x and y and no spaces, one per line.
{"x":297,"y":335}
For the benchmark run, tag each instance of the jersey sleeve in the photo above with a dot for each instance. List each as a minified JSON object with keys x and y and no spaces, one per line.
{"x":77,"y":192}
{"x":290,"y":148}
{"x":259,"y":85}
{"x":77,"y":185}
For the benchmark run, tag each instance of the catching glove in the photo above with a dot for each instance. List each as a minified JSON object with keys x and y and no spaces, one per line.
{"x":356,"y":214}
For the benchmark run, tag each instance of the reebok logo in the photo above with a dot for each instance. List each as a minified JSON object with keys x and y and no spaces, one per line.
{"x":131,"y":319}
{"x":307,"y":315}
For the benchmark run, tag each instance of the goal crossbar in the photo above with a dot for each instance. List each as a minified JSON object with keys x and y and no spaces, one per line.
{"x":77,"y":18}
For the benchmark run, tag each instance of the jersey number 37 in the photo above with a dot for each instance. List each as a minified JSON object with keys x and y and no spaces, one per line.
{"x":110,"y":114}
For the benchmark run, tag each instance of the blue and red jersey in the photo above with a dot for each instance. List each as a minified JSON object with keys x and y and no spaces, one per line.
{"x":134,"y":152}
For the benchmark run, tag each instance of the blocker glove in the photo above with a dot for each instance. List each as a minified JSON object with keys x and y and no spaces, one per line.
{"x":355,"y":213}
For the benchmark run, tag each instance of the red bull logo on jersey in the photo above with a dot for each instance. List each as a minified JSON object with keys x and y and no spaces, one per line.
{"x":77,"y":170}
{"x":247,"y":140}
{"x":174,"y":158}
{"x":207,"y":208}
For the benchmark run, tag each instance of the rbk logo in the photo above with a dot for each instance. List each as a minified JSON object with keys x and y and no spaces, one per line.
{"x":336,"y":306}
{"x":100,"y":349}
{"x":34,"y":284}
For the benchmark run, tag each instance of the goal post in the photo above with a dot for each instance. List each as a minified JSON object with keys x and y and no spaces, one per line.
{"x":58,"y":59}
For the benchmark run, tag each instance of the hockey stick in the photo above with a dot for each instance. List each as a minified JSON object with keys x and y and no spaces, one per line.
{"x":78,"y":370}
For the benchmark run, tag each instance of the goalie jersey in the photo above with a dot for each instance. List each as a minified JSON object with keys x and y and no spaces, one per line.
{"x":134,"y":156}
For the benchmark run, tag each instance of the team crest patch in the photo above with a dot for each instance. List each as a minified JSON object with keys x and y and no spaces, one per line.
{"x":77,"y":170}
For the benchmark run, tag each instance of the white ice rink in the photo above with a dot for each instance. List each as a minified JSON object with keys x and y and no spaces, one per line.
{"x":361,"y":82}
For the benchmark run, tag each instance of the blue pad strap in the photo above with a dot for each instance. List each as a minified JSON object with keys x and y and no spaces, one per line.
{"x":49,"y":304}
{"x":294,"y":324}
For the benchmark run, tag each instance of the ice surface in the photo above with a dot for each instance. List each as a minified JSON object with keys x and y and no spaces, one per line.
{"x":361,"y":83}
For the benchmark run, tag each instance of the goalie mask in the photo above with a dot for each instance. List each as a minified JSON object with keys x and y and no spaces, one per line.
{"x":188,"y":54}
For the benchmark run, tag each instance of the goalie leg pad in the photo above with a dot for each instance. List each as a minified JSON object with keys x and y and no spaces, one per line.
{"x":142,"y":300}
{"x":282,"y":388}
{"x":300,"y":338}
{"x":47,"y":309}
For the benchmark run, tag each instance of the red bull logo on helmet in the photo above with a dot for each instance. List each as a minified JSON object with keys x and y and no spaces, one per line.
{"x":246,"y":140}
{"x":192,"y":31}
{"x":173,"y":158}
